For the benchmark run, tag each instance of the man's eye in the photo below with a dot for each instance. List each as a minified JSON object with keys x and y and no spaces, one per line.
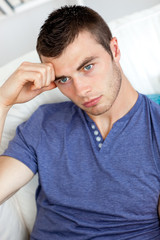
{"x":64,"y":80}
{"x":88,"y":67}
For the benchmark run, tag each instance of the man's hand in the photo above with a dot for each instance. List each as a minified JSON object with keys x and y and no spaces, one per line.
{"x":28,"y":81}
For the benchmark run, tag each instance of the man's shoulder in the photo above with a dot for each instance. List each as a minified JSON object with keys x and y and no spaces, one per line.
{"x":56,"y":107}
{"x":55,"y":112}
{"x":50,"y":115}
{"x":153,"y":111}
{"x":153,"y":105}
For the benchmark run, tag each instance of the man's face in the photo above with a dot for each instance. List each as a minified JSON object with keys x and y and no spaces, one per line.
{"x":87,"y":75}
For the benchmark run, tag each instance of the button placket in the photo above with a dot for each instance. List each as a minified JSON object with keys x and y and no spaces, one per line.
{"x":97,"y":135}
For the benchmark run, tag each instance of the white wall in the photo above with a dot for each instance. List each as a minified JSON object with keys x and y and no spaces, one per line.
{"x":18,"y":32}
{"x":112,"y":9}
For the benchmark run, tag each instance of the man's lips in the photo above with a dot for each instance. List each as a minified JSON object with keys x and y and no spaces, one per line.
{"x":92,"y":102}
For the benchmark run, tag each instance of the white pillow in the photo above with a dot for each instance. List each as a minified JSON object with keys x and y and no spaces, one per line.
{"x":139,"y":40}
{"x":12,"y":225}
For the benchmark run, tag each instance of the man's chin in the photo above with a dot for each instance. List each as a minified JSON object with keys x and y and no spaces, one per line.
{"x":97,"y":111}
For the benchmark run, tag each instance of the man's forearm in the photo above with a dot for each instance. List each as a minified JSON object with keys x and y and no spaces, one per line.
{"x":3,"y":115}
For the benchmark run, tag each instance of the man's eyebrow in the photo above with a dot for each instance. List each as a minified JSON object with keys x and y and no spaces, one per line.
{"x":86,"y":61}
{"x":59,"y":77}
{"x":83,"y":63}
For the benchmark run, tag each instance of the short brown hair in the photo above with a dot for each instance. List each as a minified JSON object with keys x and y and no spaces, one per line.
{"x":63,"y":26}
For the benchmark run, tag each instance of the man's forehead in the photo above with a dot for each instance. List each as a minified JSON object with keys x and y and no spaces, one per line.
{"x":83,"y":49}
{"x":84,"y":38}
{"x":68,"y":65}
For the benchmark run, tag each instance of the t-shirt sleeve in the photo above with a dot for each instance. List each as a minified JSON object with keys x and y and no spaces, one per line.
{"x":24,"y":145}
{"x":155,"y":121}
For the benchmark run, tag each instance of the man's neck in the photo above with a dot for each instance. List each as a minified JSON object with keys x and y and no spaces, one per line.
{"x":125,"y":100}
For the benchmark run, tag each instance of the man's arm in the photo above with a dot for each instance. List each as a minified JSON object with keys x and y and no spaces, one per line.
{"x":3,"y":114}
{"x":13,"y":175}
{"x":28,"y":81}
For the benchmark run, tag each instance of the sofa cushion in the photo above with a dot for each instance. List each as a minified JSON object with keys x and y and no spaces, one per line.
{"x":139,"y":41}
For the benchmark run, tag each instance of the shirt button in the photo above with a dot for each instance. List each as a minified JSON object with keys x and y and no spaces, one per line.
{"x":100,"y":145}
{"x":95,"y":132}
{"x":98,"y":139}
{"x":93,"y":126}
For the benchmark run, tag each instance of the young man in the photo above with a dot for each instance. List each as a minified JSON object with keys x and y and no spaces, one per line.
{"x":98,"y":155}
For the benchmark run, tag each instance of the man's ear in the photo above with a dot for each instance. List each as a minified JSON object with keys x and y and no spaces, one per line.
{"x":115,"y":49}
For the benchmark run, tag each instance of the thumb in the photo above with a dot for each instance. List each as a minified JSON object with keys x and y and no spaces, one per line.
{"x":51,"y":86}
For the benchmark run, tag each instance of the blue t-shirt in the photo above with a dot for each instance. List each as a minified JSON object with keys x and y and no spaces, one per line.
{"x":90,"y":191}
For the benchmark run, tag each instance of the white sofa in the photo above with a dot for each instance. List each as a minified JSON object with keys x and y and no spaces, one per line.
{"x":139,"y":40}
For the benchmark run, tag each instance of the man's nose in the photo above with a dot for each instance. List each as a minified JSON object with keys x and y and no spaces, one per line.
{"x":82,"y":86}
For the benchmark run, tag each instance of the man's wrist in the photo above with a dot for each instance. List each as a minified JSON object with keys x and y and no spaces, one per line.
{"x":4,"y":109}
